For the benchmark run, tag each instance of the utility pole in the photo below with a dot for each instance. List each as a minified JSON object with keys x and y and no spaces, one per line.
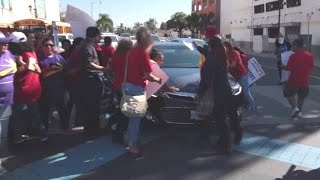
{"x":35,"y":9}
{"x":280,"y":4}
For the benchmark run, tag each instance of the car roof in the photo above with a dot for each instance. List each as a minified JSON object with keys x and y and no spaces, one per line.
{"x":169,"y":44}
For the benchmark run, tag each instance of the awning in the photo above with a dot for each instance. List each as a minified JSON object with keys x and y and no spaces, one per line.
{"x":274,"y":25}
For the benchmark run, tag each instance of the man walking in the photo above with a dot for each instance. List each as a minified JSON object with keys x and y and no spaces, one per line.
{"x":300,"y":65}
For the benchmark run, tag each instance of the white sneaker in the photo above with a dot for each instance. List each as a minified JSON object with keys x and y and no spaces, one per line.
{"x":295,"y":112}
{"x":300,"y":114}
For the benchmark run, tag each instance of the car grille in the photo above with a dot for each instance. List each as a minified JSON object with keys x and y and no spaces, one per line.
{"x":178,"y":110}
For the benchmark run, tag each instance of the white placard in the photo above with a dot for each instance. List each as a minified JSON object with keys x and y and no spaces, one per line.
{"x":284,"y":60}
{"x":153,"y":87}
{"x":255,"y":71}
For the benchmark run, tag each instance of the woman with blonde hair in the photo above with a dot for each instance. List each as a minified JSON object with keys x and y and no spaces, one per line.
{"x":138,"y":74}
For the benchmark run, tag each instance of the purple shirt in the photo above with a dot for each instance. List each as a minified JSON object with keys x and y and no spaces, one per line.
{"x":7,"y":69}
{"x":48,"y":61}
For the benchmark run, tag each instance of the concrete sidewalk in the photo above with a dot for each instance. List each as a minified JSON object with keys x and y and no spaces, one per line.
{"x":272,"y":55}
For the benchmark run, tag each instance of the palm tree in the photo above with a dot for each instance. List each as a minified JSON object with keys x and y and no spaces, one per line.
{"x":105,"y":23}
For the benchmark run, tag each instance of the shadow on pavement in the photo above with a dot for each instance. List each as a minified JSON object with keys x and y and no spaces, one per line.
{"x":300,"y":174}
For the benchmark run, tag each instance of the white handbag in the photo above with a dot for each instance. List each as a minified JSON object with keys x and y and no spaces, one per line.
{"x":133,"y":106}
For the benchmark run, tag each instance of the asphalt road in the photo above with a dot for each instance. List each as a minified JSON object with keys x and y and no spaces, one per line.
{"x":274,"y":147}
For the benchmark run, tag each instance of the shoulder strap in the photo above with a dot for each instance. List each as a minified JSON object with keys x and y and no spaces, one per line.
{"x":126,"y":68}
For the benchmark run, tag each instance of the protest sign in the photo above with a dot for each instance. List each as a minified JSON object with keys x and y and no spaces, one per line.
{"x":284,"y":60}
{"x":255,"y":71}
{"x":153,"y":87}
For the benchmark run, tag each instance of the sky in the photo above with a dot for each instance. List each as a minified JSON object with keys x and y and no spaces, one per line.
{"x":130,"y":11}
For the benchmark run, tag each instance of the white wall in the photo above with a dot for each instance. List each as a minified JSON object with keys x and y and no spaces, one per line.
{"x":241,"y":19}
{"x":20,"y":10}
{"x":225,"y":17}
{"x":53,"y":10}
{"x":242,"y":9}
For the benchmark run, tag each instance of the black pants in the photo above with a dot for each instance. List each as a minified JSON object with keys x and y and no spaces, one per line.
{"x":279,"y":64}
{"x":61,"y":108}
{"x":226,"y":116}
{"x":91,"y":94}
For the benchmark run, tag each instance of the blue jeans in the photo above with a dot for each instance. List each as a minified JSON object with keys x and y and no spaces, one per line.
{"x":5,"y":113}
{"x":244,"y":82}
{"x":133,"y":131}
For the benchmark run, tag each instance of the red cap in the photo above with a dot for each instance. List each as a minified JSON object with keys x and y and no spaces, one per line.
{"x":210,"y":32}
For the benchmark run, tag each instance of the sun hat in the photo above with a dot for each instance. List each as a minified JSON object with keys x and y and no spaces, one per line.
{"x":4,"y":39}
{"x":18,"y":37}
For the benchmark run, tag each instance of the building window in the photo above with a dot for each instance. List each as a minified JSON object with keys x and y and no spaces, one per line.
{"x":205,"y":3}
{"x":41,"y":9}
{"x":258,"y":31}
{"x":293,"y":3}
{"x":259,"y":9}
{"x":272,"y":6}
{"x":5,"y":4}
{"x":199,"y":7}
{"x":212,"y":1}
{"x":273,"y":32}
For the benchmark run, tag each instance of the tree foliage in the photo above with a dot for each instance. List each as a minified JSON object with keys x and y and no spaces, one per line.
{"x":105,"y":23}
{"x":163,"y":26}
{"x":151,"y":24}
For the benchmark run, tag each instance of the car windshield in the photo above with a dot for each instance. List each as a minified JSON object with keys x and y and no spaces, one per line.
{"x":155,"y":38}
{"x":200,"y":42}
{"x":179,"y":56}
{"x":125,"y":35}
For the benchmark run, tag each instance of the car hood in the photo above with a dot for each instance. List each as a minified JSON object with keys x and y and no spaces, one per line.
{"x":186,"y":79}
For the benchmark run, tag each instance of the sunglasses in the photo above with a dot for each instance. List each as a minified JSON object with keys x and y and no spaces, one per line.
{"x":48,"y":45}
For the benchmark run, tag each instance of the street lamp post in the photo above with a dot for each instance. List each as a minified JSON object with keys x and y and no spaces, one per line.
{"x":35,"y":9}
{"x":280,"y":5}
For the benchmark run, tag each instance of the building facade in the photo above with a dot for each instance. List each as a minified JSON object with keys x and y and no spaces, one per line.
{"x":298,"y":18}
{"x":13,"y":10}
{"x":220,"y":9}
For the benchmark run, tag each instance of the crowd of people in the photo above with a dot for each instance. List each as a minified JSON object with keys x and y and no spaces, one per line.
{"x":35,"y":77}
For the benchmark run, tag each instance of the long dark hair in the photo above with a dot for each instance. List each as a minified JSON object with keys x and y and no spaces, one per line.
{"x":76,"y":42}
{"x":217,"y":47}
{"x":237,"y":48}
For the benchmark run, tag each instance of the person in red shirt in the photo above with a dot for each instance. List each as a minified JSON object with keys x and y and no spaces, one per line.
{"x":300,"y":65}
{"x":27,"y":93}
{"x":240,"y":72}
{"x":243,"y":56}
{"x":138,"y":74}
{"x":107,"y":50}
{"x":73,"y":79}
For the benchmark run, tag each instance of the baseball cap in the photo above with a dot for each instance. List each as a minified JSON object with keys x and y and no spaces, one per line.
{"x":4,"y":39}
{"x":18,"y":37}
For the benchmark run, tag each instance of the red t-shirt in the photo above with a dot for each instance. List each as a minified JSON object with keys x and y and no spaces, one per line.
{"x":239,"y":70}
{"x":300,"y":65}
{"x":27,"y":85}
{"x":138,"y":65}
{"x":245,"y":61}
{"x":74,"y":63}
{"x":107,"y":52}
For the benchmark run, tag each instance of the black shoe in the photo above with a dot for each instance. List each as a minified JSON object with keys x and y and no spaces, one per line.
{"x":238,"y":137}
